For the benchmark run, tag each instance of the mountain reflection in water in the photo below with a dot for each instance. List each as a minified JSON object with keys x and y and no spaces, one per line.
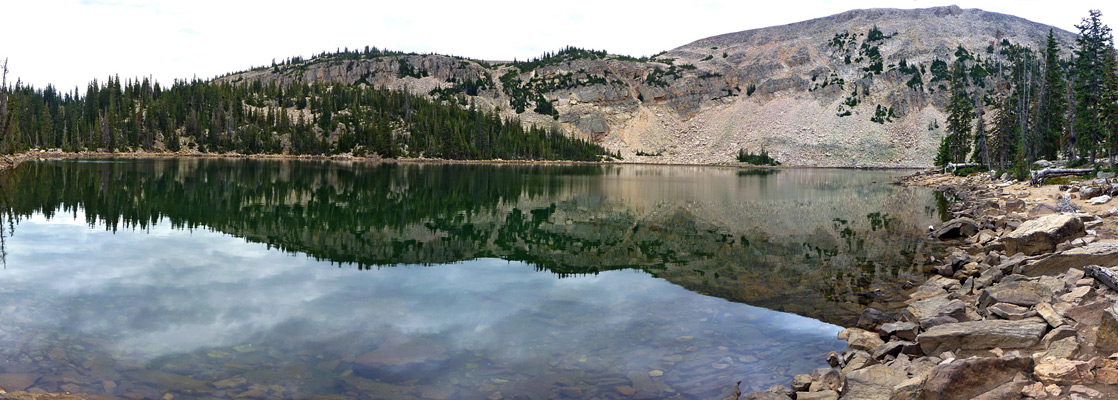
{"x":133,"y":263}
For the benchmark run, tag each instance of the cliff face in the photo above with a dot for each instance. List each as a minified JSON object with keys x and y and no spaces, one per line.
{"x":861,"y":88}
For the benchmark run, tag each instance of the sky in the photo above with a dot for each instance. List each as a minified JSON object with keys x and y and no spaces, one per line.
{"x":67,"y":43}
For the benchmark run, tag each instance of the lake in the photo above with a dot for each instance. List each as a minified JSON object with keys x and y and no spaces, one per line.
{"x":296,"y":279}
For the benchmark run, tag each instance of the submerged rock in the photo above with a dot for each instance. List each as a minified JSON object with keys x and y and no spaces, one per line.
{"x":402,"y":358}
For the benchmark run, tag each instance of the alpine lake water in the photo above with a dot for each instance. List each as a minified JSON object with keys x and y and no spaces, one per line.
{"x":211,"y":278}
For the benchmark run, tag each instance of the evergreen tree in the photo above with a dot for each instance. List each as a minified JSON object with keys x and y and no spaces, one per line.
{"x":1109,"y":102}
{"x":1094,"y":39}
{"x":981,"y":153}
{"x":960,"y":113}
{"x":1051,"y":119}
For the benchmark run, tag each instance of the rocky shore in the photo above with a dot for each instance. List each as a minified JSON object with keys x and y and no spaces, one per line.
{"x":1020,"y":309}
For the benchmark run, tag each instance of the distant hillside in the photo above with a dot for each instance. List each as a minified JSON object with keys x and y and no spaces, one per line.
{"x":861,"y":88}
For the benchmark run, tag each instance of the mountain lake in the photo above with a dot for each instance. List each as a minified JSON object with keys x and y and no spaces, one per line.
{"x":222,"y":278}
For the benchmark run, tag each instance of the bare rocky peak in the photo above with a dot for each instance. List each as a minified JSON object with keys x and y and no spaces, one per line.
{"x":856,"y":89}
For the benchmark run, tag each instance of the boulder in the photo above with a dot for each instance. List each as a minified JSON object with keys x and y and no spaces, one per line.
{"x":1097,"y":253}
{"x":1022,"y":293}
{"x":825,"y":379}
{"x":1090,"y":192}
{"x":1013,"y":204}
{"x":1050,"y":315}
{"x":872,"y":318}
{"x":401,"y":357}
{"x":1007,"y":391}
{"x":821,"y":395}
{"x":1106,"y":337}
{"x":936,"y":310}
{"x":982,"y":335}
{"x":1041,"y":235}
{"x":1064,"y":372}
{"x":1100,"y":200}
{"x":860,"y":339}
{"x":956,"y":228}
{"x":1008,"y":311}
{"x":969,"y":378}
{"x":1042,"y":209}
{"x":874,"y":382}
{"x":764,"y":396}
{"x":900,"y":330}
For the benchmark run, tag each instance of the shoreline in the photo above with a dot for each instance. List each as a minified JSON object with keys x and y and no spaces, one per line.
{"x":1015,"y":310}
{"x":11,"y":161}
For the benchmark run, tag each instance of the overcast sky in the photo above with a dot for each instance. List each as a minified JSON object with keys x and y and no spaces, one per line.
{"x":70,"y":42}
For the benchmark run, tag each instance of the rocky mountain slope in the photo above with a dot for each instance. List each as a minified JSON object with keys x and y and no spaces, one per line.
{"x":865,"y":88}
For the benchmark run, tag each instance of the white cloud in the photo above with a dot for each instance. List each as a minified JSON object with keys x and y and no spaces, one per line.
{"x":70,"y":42}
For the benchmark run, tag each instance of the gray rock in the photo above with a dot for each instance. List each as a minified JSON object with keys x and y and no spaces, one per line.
{"x":1043,"y":209}
{"x":860,"y":339}
{"x":956,"y":228}
{"x":1022,"y":293}
{"x":1106,"y":337}
{"x":1105,"y":175}
{"x":1009,"y":311}
{"x":1061,"y":332}
{"x":821,"y":395}
{"x":893,"y":348}
{"x":764,"y":396}
{"x":825,"y":379}
{"x":1041,"y":235}
{"x":1050,"y":315}
{"x":1006,"y":391}
{"x":932,"y":311}
{"x":981,"y":335}
{"x":1090,"y":192}
{"x":900,"y":330}
{"x":968,"y":378}
{"x":872,"y":318}
{"x":874,"y":382}
{"x":1097,"y":253}
{"x":1014,"y":205}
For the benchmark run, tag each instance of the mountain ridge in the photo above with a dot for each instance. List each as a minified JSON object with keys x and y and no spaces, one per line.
{"x":854,"y":89}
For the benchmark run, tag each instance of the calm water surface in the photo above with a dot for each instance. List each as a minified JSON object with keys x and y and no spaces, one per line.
{"x":267,"y":279}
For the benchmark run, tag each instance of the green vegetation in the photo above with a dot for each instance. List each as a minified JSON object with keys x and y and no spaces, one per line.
{"x":882,"y":115}
{"x":255,"y":118}
{"x":761,"y":158}
{"x":1029,"y":103}
{"x":566,"y":54}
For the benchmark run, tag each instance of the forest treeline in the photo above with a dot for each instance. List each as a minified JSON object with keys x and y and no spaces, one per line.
{"x":256,"y":118}
{"x":1049,"y":107}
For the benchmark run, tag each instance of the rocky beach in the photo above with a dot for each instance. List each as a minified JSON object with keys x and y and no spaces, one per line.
{"x":1024,"y":306}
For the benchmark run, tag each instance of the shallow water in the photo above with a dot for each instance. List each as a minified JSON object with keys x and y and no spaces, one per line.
{"x":217,"y":278}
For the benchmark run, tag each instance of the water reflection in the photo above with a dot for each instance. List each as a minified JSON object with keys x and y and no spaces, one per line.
{"x":143,"y":278}
{"x":811,"y":242}
{"x":166,"y":310}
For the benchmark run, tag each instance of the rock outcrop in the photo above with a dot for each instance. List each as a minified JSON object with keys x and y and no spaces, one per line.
{"x":858,"y":89}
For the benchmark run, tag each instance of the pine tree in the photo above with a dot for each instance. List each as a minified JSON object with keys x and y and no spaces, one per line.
{"x":960,"y":113}
{"x":981,"y":153}
{"x":1109,"y":108}
{"x":1094,"y":39}
{"x":1051,"y":119}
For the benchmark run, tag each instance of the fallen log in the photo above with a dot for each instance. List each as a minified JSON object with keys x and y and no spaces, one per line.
{"x":1105,"y":275}
{"x":953,"y":166}
{"x":1036,"y":178}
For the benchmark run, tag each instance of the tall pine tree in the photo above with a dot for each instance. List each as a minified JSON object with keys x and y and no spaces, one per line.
{"x":1094,"y":39}
{"x":1051,"y":119}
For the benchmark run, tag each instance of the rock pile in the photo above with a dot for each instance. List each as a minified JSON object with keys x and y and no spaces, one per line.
{"x":1015,"y":311}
